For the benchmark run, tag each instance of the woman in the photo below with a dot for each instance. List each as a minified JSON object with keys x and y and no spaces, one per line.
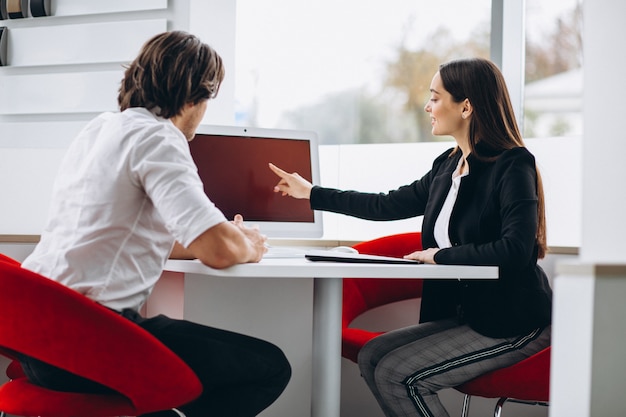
{"x":483,"y":204}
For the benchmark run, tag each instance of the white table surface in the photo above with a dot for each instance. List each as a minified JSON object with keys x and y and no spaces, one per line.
{"x":327,"y":300}
{"x":299,"y":267}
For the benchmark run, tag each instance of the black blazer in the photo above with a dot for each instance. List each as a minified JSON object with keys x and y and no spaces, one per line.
{"x":494,"y":222}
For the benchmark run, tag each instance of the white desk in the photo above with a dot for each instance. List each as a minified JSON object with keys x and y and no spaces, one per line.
{"x":327,"y":299}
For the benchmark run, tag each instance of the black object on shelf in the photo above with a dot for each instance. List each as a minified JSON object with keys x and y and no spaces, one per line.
{"x":40,"y":8}
{"x":3,"y":10}
{"x":3,"y":45}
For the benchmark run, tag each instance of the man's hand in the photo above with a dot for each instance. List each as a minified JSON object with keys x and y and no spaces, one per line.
{"x":257,"y":240}
{"x":229,"y":243}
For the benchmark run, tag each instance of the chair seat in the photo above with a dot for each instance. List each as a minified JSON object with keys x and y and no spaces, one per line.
{"x":19,"y":393}
{"x":526,"y":380}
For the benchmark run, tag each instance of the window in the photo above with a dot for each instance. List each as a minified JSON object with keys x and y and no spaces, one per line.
{"x":554,"y":62}
{"x":553,"y":115}
{"x":358,"y":72}
{"x":355,"y":71}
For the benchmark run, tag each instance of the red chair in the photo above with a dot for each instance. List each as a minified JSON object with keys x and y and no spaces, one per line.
{"x":46,"y":320}
{"x":362,"y":294}
{"x":14,"y":370}
{"x":525,"y":382}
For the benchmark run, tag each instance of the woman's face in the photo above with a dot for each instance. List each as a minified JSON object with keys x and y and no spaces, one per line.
{"x":446,"y":116}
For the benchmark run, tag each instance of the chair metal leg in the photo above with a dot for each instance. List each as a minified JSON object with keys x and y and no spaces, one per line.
{"x":498,"y":410}
{"x":466,"y":405}
{"x":177,"y":411}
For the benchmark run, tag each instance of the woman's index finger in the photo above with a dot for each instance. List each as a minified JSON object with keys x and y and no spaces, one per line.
{"x":277,"y":170}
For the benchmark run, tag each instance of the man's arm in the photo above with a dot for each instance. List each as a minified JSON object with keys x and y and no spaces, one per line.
{"x":224,"y":245}
{"x":179,"y":252}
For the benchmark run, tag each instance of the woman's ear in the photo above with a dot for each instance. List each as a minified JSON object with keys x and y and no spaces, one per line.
{"x":467,"y":109}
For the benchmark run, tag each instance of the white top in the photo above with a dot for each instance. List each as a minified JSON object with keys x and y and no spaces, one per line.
{"x":126,"y":189}
{"x":443,"y":220}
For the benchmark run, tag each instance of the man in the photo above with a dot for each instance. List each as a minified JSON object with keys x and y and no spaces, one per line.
{"x":127,"y":196}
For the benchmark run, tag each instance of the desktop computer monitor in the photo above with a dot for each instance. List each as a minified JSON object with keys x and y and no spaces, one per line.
{"x":233,"y":163}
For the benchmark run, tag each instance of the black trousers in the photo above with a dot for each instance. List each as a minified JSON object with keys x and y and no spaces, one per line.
{"x":241,"y":375}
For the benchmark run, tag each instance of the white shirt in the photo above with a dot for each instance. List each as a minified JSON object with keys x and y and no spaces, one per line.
{"x":126,"y":189}
{"x":443,"y":220}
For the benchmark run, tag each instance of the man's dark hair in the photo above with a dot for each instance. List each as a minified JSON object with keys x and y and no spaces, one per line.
{"x":172,"y":69}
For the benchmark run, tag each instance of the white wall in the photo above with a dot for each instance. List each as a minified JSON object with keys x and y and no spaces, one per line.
{"x":604,"y":146}
{"x":64,"y":69}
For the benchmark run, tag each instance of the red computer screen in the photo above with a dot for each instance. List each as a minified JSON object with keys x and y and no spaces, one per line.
{"x":236,"y":177}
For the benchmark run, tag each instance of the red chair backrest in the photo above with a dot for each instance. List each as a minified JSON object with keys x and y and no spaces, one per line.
{"x":46,"y":320}
{"x":363,"y":294}
{"x":14,"y":370}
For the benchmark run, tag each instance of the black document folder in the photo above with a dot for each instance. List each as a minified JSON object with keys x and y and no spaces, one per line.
{"x":334,"y":256}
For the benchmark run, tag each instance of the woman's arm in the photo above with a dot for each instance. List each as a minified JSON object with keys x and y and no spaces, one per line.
{"x":405,"y":202}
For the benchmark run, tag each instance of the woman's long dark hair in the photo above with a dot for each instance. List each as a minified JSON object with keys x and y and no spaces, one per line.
{"x":493,"y":121}
{"x":172,"y":69}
